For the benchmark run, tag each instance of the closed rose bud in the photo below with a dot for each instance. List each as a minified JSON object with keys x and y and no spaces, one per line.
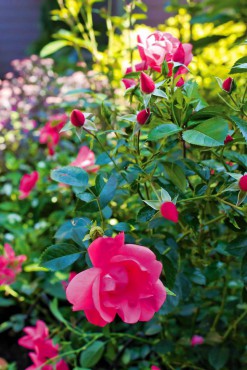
{"x":146,"y":83}
{"x":228,"y":85}
{"x":243,"y":183}
{"x":228,"y":139}
{"x":77,"y":118}
{"x":143,"y":116}
{"x":196,"y":340}
{"x":169,"y":211}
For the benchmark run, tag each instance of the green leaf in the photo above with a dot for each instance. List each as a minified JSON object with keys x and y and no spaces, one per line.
{"x":59,"y":256}
{"x":122,"y":226}
{"x":210,"y":133}
{"x":163,"y":130}
{"x":70,"y":175}
{"x":237,"y":247}
{"x":145,"y":214}
{"x":218,"y":357}
{"x":92,"y":354}
{"x":55,"y":311}
{"x":170,"y":272}
{"x":108,"y":192}
{"x":176,"y":175}
{"x":236,"y":157}
{"x":160,"y":93}
{"x":52,"y":47}
{"x":198,"y":278}
{"x":78,"y":225}
{"x":155,"y":204}
{"x":244,"y":269}
{"x":240,"y":66}
{"x":132,"y":75}
{"x":207,"y":112}
{"x":241,"y":124}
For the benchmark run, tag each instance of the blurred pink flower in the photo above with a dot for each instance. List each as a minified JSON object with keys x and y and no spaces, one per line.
{"x":124,"y":280}
{"x":37,"y":339}
{"x":85,"y":160}
{"x":27,"y":183}
{"x":153,"y":367}
{"x":196,"y":340}
{"x":49,"y":134}
{"x":10,"y":265}
{"x":34,"y":333}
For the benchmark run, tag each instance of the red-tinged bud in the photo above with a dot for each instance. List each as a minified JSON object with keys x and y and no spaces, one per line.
{"x":129,"y":70}
{"x":169,"y":211}
{"x":143,"y":116}
{"x":243,"y":183}
{"x":77,"y":118}
{"x":228,"y":85}
{"x":146,"y":83}
{"x":170,"y":69}
{"x":128,"y":82}
{"x":180,"y":82}
{"x":228,"y":139}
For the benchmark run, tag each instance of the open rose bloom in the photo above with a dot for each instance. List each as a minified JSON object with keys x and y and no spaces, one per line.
{"x":10,"y":265}
{"x":124,"y":280}
{"x":85,"y":160}
{"x":160,"y":46}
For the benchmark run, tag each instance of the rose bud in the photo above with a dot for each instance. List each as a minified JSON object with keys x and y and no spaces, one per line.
{"x":228,"y":85}
{"x":243,"y":183}
{"x":169,"y":211}
{"x":128,"y":82}
{"x":77,"y":118}
{"x":146,"y":83}
{"x":143,"y":116}
{"x":228,"y":139}
{"x":196,"y":340}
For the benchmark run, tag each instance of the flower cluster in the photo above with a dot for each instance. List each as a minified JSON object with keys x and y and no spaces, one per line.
{"x":37,"y":339}
{"x":124,"y":280}
{"x":10,"y":265}
{"x":154,"y":50}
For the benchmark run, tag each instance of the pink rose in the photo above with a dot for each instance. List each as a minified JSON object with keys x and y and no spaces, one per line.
{"x":37,"y":339}
{"x":147,"y":85}
{"x":196,"y":340}
{"x":124,"y":280}
{"x":34,"y":334}
{"x":160,"y":46}
{"x":10,"y":265}
{"x":169,"y":211}
{"x":243,"y":183}
{"x":228,"y":85}
{"x":49,"y":134}
{"x":85,"y":160}
{"x":155,"y":367}
{"x":228,"y":139}
{"x":27,"y":183}
{"x":143,"y":116}
{"x":77,"y":118}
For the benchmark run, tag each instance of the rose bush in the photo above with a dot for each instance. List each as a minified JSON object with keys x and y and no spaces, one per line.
{"x":160,"y":168}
